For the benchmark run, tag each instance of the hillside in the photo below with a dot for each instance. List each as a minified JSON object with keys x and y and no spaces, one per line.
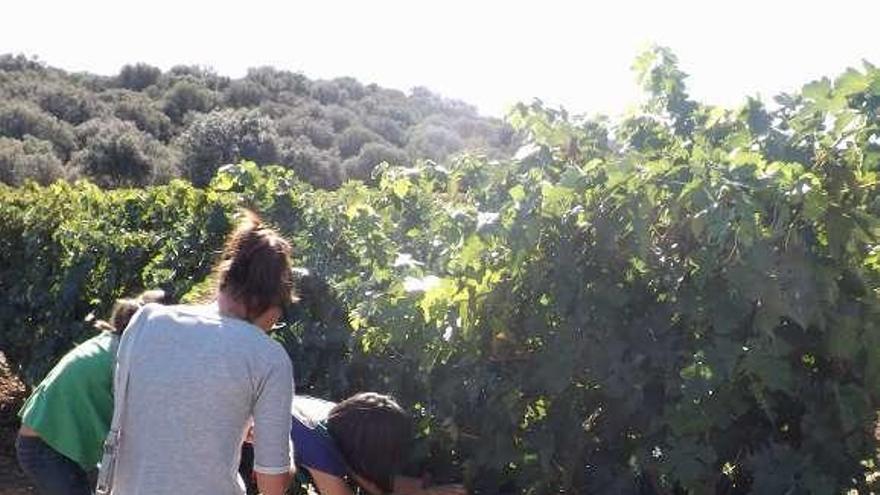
{"x":144,"y":126}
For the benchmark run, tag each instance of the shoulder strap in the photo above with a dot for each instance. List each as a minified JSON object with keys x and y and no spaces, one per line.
{"x":121,"y":366}
{"x":114,"y":349}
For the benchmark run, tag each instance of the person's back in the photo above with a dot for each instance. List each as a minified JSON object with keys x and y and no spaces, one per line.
{"x":194,"y":376}
{"x":194,"y":379}
{"x":72,"y":406}
{"x":361,"y":439}
{"x":313,"y":446}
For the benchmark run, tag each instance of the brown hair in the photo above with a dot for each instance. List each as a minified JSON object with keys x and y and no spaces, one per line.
{"x":124,"y":309}
{"x":372,"y":433}
{"x":254,"y":268}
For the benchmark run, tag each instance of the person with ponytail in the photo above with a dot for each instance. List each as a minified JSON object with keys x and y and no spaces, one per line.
{"x":187,"y":404}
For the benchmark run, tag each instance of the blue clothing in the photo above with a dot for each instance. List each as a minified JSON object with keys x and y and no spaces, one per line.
{"x":315,"y":449}
{"x":313,"y":446}
{"x":51,"y":472}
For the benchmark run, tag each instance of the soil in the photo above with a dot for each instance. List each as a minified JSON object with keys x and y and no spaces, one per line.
{"x":12,"y":395}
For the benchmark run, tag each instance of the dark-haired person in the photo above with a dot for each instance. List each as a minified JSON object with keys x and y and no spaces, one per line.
{"x":188,"y":402}
{"x":66,"y":418}
{"x":363,"y":438}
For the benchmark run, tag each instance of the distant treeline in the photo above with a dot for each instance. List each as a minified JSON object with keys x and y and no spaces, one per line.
{"x":144,"y":126}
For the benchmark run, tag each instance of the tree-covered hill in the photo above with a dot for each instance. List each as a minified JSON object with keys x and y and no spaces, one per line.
{"x":144,"y":126}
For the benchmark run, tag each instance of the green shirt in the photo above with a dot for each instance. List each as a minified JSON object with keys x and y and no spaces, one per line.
{"x":72,"y":407}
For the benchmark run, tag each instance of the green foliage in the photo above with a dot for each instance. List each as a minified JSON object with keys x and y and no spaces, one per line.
{"x":684,"y":301}
{"x":225,"y":136}
{"x":70,"y":104}
{"x":187,"y":96}
{"x":138,"y":77}
{"x":115,"y":153}
{"x":71,"y":250}
{"x":340,"y":118}
{"x":353,"y":139}
{"x":388,"y":128}
{"x":245,"y":93}
{"x":327,"y":92}
{"x":279,"y":81}
{"x":434,"y":141}
{"x":19,"y":119}
{"x":320,"y":133}
{"x":318,"y":167}
{"x":9,"y":62}
{"x":44,"y":102}
{"x":142,"y":112}
{"x":200,"y":76}
{"x":360,"y":167}
{"x":29,"y":159}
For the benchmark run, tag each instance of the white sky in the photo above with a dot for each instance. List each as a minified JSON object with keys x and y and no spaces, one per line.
{"x":488,"y":53}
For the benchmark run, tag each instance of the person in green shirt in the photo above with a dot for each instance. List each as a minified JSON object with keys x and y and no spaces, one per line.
{"x":66,"y":418}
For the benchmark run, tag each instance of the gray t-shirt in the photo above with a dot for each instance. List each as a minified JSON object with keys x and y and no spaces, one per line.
{"x":196,"y":380}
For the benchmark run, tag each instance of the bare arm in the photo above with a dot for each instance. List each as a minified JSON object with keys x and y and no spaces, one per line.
{"x":273,"y":484}
{"x":271,"y":429}
{"x":404,"y":485}
{"x":329,"y":484}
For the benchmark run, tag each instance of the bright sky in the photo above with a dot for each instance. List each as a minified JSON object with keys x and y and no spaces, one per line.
{"x":576,"y":53}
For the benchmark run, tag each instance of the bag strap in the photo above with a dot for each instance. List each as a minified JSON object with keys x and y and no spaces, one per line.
{"x":121,"y":367}
{"x":114,"y":350}
{"x":121,"y":374}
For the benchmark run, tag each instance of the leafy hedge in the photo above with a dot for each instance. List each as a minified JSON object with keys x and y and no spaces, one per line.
{"x":70,"y":250}
{"x":685,"y":301}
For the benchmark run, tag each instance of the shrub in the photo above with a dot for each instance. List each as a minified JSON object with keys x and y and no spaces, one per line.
{"x":433,"y":141}
{"x":70,"y":250}
{"x":388,"y":128}
{"x":142,"y":112}
{"x":138,"y":77}
{"x":20,"y":63}
{"x":225,"y":136}
{"x":350,"y":142}
{"x":319,"y":132}
{"x":205,"y":77}
{"x":327,"y":92}
{"x":361,"y":167}
{"x":278,"y":81}
{"x":315,"y":166}
{"x":340,"y":117}
{"x":19,"y":119}
{"x":117,"y":154}
{"x":69,"y":103}
{"x":244,"y":93}
{"x":186,"y":96}
{"x":30,"y":159}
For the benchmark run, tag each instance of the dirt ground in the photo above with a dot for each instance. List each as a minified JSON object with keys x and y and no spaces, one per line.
{"x":12,"y":395}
